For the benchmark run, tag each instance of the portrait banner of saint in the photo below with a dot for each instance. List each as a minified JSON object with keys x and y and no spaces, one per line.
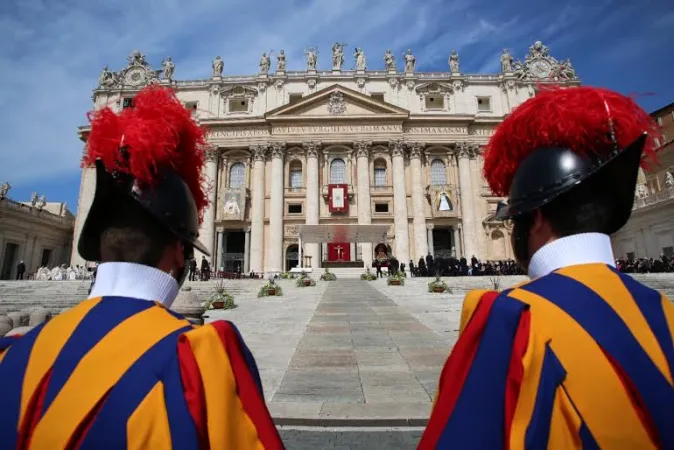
{"x":443,"y":202}
{"x":233,"y":206}
{"x":338,"y":198}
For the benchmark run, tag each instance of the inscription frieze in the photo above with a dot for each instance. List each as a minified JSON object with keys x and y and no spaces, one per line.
{"x":239,"y":132}
{"x":309,"y":129}
{"x":481,"y":131}
{"x":435,"y":130}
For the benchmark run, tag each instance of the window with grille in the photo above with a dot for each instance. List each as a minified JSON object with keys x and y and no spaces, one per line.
{"x":295,"y":177}
{"x":337,"y":171}
{"x":380,"y":176}
{"x":438,"y":173}
{"x":236,"y":175}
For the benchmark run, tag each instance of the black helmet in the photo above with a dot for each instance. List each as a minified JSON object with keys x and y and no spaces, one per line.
{"x":169,"y":201}
{"x":549,"y":172}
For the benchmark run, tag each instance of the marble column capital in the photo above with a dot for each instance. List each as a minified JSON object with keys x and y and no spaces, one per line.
{"x":397,"y":148}
{"x":312,"y":148}
{"x":277,"y":149}
{"x":246,"y":230}
{"x":362,"y":148}
{"x":467,"y":149}
{"x":259,"y":152}
{"x":415,"y":149}
{"x":211,"y":154}
{"x":430,"y":226}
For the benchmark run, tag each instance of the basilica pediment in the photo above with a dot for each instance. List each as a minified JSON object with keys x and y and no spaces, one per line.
{"x":338,"y":102}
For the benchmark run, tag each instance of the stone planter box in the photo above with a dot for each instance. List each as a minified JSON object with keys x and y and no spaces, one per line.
{"x":307,"y":282}
{"x":395,"y":282}
{"x":271,"y":291}
{"x":218,"y":305}
{"x":439,"y":289}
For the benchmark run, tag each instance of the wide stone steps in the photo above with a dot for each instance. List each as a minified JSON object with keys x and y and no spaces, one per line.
{"x":57,"y":295}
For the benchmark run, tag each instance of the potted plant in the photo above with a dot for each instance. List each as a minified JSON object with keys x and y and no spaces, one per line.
{"x":220,"y":299}
{"x":396,"y":279}
{"x":495,"y":282}
{"x":368,"y":275}
{"x":328,"y":276}
{"x":270,"y":289}
{"x":304,"y":280}
{"x":438,"y":286}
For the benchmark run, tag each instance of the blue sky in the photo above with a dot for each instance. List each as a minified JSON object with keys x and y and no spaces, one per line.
{"x":53,"y":50}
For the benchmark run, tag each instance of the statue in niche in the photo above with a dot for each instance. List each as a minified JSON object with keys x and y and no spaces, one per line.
{"x":4,"y":189}
{"x":454,"y":62}
{"x":281,"y":61}
{"x":506,"y":61}
{"x":669,"y":179}
{"x":443,"y":202}
{"x":169,"y":68}
{"x":389,"y":60}
{"x":337,"y":55}
{"x":361,"y":61}
{"x":312,"y":58}
{"x":410,"y":61}
{"x":218,"y":66}
{"x":265,"y":63}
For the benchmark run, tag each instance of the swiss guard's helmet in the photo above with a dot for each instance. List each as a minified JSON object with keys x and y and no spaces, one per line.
{"x":564,"y":137}
{"x":152,"y":154}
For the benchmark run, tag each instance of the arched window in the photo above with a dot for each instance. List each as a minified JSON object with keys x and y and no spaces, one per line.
{"x":237,"y":175}
{"x":438,"y":173}
{"x":337,"y":171}
{"x":295,"y":178}
{"x":379,"y":172}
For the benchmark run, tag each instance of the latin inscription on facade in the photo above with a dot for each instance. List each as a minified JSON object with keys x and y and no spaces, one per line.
{"x":435,"y":130}
{"x":323,"y":129}
{"x":239,"y":132}
{"x":482,"y":131}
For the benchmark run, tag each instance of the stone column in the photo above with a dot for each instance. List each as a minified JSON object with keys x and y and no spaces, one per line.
{"x":402,"y":249}
{"x":275,"y":247}
{"x":419,"y":218}
{"x":246,"y":250}
{"x":429,"y":237}
{"x":219,"y":256}
{"x":363,"y":195}
{"x":207,"y":229}
{"x":256,"y":254}
{"x":465,"y":151}
{"x":312,"y":199}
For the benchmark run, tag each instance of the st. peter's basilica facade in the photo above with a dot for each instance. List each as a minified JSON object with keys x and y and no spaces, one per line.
{"x":325,"y":167}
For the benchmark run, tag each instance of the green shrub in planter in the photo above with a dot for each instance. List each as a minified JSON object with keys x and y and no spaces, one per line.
{"x":304,"y":281}
{"x":270,"y":289}
{"x":328,"y":276}
{"x":220,"y":299}
{"x":438,"y":286}
{"x":368,"y":275}
{"x":397,"y":279}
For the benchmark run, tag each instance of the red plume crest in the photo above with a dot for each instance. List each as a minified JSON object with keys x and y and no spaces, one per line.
{"x":575,"y":118}
{"x":158,"y":132}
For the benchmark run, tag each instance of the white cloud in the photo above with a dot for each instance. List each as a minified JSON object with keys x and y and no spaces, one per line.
{"x":53,"y":51}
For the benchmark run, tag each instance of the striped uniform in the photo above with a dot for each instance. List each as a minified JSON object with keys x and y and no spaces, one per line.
{"x":580,"y":358}
{"x":119,"y":372}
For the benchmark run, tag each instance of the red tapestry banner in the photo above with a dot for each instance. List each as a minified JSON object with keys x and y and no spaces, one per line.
{"x":338,"y":198}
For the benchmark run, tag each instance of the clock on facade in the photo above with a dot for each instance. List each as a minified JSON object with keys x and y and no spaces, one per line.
{"x":135,"y":77}
{"x":540,"y":68}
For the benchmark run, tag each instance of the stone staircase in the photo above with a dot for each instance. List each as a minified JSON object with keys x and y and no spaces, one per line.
{"x":57,"y":295}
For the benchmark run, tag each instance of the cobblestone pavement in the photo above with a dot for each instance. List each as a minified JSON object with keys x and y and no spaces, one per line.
{"x":350,"y":438}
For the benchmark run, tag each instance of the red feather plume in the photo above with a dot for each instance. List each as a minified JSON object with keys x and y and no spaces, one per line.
{"x":576,"y":118}
{"x":158,"y":132}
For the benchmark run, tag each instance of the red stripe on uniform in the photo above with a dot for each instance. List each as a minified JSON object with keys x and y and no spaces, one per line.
{"x":193,"y":388}
{"x":516,"y":371}
{"x":252,"y":400}
{"x":456,"y":370}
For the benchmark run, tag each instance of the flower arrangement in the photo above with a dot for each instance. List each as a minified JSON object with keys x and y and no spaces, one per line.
{"x":495,"y":282}
{"x":270,"y":289}
{"x":396,"y":279}
{"x":287,"y":275}
{"x":439,"y":286}
{"x":220,"y":299}
{"x":368,"y":275}
{"x":304,"y":280}
{"x":328,"y":276}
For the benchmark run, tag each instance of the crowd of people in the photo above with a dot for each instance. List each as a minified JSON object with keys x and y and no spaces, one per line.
{"x":646,"y":265}
{"x":461,"y":267}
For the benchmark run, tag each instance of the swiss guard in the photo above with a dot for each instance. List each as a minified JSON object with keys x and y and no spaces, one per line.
{"x":581,"y":356}
{"x":120,"y":370}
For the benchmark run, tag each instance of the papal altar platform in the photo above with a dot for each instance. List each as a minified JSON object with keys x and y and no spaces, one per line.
{"x":341,"y":264}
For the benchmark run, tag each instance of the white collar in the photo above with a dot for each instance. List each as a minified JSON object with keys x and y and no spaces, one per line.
{"x":120,"y":279}
{"x":584,"y":248}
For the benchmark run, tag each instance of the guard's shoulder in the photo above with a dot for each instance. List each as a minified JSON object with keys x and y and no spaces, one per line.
{"x":470,"y":303}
